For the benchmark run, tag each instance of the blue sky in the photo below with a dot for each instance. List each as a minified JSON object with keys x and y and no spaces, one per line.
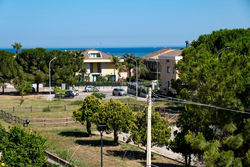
{"x":116,"y":23}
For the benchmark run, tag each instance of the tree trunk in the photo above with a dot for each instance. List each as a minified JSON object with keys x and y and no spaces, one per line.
{"x":129,"y":74}
{"x":189,"y":160}
{"x":186,"y":160}
{"x":3,"y":88}
{"x":88,"y":127}
{"x":37,"y":87}
{"x":115,"y":138}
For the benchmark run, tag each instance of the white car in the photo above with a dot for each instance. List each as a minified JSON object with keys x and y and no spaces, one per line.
{"x":75,"y":92}
{"x":91,"y":88}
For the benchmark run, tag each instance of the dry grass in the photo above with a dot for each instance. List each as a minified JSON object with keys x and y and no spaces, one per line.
{"x":86,"y":150}
{"x":72,"y":143}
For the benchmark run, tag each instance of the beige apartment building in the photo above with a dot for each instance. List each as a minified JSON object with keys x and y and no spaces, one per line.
{"x":163,"y":61}
{"x":98,"y":63}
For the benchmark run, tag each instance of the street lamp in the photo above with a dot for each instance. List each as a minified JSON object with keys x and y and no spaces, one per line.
{"x":222,"y":52}
{"x":101,"y":129}
{"x":136,"y":75}
{"x":50,"y":78}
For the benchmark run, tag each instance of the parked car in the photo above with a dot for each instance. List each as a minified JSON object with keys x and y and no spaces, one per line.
{"x":67,"y":94}
{"x":119,"y":92}
{"x":75,"y":92}
{"x":91,"y":89}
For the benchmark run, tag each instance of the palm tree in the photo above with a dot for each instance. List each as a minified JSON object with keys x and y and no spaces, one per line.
{"x":129,"y":63}
{"x":17,"y":46}
{"x":116,"y":61}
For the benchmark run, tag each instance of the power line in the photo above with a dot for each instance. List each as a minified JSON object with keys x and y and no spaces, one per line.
{"x":177,"y":100}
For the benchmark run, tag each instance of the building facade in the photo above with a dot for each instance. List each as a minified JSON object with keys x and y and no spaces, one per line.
{"x":98,"y":63}
{"x":161,"y":65}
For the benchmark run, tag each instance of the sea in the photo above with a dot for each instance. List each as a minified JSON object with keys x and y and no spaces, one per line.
{"x":137,"y":51}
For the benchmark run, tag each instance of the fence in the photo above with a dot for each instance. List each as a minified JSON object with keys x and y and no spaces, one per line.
{"x":10,"y":118}
{"x":40,"y":108}
{"x":51,"y":121}
{"x":102,"y":83}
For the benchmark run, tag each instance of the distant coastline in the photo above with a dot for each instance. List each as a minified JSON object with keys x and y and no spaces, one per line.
{"x":138,"y":51}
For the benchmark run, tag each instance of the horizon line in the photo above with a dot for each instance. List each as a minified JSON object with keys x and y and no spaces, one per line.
{"x":99,"y":47}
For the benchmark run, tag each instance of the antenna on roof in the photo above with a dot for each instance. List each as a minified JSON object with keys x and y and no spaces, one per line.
{"x":187,"y":44}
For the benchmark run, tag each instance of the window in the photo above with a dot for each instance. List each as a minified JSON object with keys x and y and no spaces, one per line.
{"x":168,"y":69}
{"x":99,"y":67}
{"x":168,"y":84}
{"x":91,"y":68}
{"x":94,"y":78}
{"x":94,"y":54}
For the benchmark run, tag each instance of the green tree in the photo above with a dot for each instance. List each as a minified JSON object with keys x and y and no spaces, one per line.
{"x":222,"y":82}
{"x":24,"y":87}
{"x":17,"y":46}
{"x":8,"y":69}
{"x":116,"y":61}
{"x":119,"y":66}
{"x":90,"y":106}
{"x":117,"y":117}
{"x":66,"y":67}
{"x":160,"y":131}
{"x":22,"y":148}
{"x":35,"y":64}
{"x":131,"y":64}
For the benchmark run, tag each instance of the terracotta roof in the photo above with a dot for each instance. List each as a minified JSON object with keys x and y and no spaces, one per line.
{"x":163,"y":52}
{"x":86,"y":55}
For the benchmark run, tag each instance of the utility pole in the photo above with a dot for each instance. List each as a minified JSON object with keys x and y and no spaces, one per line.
{"x":149,"y":128}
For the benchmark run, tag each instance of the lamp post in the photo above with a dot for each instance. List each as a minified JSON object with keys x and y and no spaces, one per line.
{"x":136,"y":75}
{"x":222,"y":52}
{"x":101,"y":129}
{"x":50,"y":77}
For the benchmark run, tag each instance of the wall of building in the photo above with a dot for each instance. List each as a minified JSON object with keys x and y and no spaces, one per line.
{"x":108,"y":68}
{"x":165,"y":75}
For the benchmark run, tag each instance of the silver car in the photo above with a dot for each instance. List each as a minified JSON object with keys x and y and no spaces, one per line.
{"x":119,"y":92}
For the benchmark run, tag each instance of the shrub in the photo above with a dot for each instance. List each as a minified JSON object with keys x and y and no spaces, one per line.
{"x":46,"y":109}
{"x":22,"y":148}
{"x":99,"y":95}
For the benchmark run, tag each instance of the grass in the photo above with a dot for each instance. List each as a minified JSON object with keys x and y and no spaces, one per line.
{"x":73,"y":144}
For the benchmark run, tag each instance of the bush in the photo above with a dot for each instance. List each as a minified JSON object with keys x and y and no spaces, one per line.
{"x":99,"y":95}
{"x":46,"y":109}
{"x":22,"y":148}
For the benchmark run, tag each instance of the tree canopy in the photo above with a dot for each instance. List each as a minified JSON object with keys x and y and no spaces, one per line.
{"x":9,"y":68}
{"x":160,"y":130}
{"x":117,"y":117}
{"x":34,"y":63}
{"x":66,"y":67}
{"x":17,"y":46}
{"x":90,"y":106}
{"x":222,"y":82}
